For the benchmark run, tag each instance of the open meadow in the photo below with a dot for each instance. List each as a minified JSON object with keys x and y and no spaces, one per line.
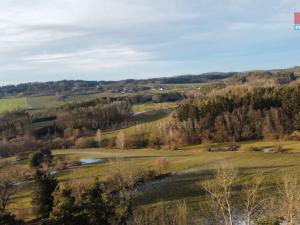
{"x":188,"y":168}
{"x":10,"y":104}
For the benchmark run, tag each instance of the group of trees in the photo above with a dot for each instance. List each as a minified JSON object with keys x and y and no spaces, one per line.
{"x":79,"y":201}
{"x":261,"y":113}
{"x":69,"y":125}
{"x":101,"y":116}
{"x":268,"y":113}
{"x":38,"y":158}
{"x":57,"y":205}
{"x":109,"y":202}
{"x":155,"y":135}
{"x":8,"y":187}
{"x":14,"y":123}
{"x":230,"y":202}
{"x":22,"y":131}
{"x":277,"y":77}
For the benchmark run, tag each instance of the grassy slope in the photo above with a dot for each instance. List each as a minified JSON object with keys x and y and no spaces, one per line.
{"x":46,"y":102}
{"x":10,"y":104}
{"x":153,"y":106}
{"x":193,"y":164}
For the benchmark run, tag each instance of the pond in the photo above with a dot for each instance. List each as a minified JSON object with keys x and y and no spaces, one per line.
{"x":267,"y":150}
{"x":90,"y":161}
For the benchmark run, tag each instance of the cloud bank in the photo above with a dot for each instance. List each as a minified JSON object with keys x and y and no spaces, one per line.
{"x":117,"y":39}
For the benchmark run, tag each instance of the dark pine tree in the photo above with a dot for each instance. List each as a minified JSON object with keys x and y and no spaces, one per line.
{"x":65,"y":210}
{"x":95,"y":207}
{"x":42,"y":199}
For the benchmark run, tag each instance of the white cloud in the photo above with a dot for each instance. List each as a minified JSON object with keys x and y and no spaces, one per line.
{"x":109,"y":57}
{"x":63,"y":36}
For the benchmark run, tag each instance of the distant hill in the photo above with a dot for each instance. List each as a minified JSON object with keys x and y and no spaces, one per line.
{"x":186,"y":79}
{"x":275,"y":76}
{"x":135,"y":85}
{"x":65,"y":86}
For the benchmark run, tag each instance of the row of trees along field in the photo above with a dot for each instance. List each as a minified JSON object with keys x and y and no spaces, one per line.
{"x":23,"y":131}
{"x":93,"y":117}
{"x":14,"y":123}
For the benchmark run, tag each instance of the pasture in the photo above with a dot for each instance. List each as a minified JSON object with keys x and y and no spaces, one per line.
{"x":190,"y":167}
{"x":10,"y":104}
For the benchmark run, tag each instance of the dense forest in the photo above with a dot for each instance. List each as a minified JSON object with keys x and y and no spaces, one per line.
{"x":268,"y":113}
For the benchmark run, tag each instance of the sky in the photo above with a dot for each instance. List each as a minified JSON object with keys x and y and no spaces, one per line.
{"x":44,"y":40}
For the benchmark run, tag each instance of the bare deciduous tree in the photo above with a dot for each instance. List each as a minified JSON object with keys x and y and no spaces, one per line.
{"x":79,"y":183}
{"x":8,"y":186}
{"x":220,"y":191}
{"x":99,"y":137}
{"x":253,"y":200}
{"x":121,"y":140}
{"x":162,"y":214}
{"x":290,"y":197}
{"x":125,"y":174}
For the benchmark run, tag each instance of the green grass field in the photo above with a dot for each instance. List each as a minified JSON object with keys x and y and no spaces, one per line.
{"x":153,"y":106}
{"x":192,"y":165}
{"x":47,"y":102}
{"x":10,"y":104}
{"x":40,"y":103}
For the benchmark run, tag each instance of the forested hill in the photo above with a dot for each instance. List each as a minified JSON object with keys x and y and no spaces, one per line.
{"x":53,"y":87}
{"x":135,"y":85}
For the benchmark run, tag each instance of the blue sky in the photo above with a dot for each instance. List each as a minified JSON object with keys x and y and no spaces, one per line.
{"x":44,"y":40}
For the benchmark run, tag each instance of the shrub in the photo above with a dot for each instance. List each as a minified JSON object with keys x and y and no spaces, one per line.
{"x":9,"y":219}
{"x":161,"y":165}
{"x":155,"y":140}
{"x":61,"y":143}
{"x":280,"y":149}
{"x":295,"y":136}
{"x":233,"y":147}
{"x":40,"y":157}
{"x":172,"y":146}
{"x":125,"y":175}
{"x":157,"y":98}
{"x":60,"y":164}
{"x":71,"y":161}
{"x":162,"y":214}
{"x":85,"y":142}
{"x":268,"y":220}
{"x":36,"y":159}
{"x":137,"y":139}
